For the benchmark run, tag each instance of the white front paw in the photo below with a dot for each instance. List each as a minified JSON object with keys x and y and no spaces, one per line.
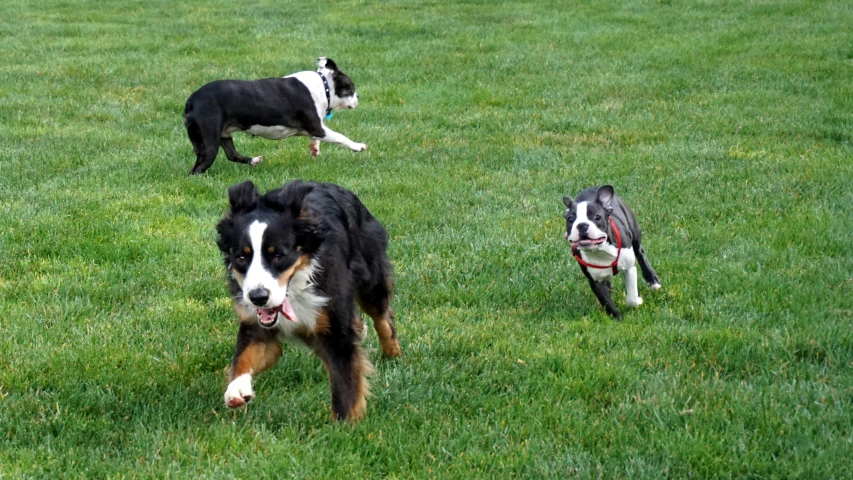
{"x":239,"y":391}
{"x":358,"y":147}
{"x":634,"y":303}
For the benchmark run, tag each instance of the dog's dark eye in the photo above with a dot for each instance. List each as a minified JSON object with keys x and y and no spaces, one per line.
{"x":596,"y":217}
{"x":570,"y":219}
{"x":241,"y":260}
{"x":277,"y":257}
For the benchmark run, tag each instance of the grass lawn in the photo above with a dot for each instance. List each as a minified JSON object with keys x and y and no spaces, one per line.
{"x":726,"y":125}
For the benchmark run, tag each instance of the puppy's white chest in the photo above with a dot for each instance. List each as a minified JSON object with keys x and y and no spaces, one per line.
{"x":274,"y":132}
{"x":605,"y":258}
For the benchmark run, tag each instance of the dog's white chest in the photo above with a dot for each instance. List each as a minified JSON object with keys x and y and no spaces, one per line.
{"x":604,"y":257}
{"x":305,"y":301}
{"x":274,"y":132}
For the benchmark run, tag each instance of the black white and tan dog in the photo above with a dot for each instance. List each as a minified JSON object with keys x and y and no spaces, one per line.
{"x":300,"y":258}
{"x":273,"y":108}
{"x":605,"y":239}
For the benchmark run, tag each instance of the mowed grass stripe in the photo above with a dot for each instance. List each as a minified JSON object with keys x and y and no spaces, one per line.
{"x":725,"y":125}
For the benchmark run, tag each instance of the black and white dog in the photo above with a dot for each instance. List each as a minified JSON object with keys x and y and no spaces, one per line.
{"x":273,"y":108}
{"x":605,"y":239}
{"x":300,"y":258}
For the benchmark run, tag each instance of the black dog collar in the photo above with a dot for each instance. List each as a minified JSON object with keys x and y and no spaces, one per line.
{"x":328,"y":98}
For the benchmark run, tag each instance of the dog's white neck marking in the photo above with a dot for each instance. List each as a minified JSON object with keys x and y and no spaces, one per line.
{"x":315,"y":86}
{"x":304,"y":299}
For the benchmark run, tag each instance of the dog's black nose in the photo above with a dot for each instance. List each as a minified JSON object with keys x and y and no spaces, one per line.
{"x":259,"y":296}
{"x":583,"y":227}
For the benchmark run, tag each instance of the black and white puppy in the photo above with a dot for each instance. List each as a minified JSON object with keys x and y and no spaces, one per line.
{"x":605,"y":239}
{"x":300,"y":258}
{"x":273,"y":108}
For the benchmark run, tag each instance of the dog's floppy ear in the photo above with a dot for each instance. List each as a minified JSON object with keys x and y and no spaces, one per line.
{"x":324,"y":62}
{"x":604,"y":197}
{"x":568,"y":202}
{"x":243,"y":196}
{"x":289,"y":197}
{"x":310,"y":230}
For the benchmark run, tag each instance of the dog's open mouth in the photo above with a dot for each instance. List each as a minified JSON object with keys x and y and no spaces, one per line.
{"x":269,"y":316}
{"x":588,"y":242}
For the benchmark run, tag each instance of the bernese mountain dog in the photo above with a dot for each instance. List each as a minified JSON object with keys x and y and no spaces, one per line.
{"x":299,"y":259}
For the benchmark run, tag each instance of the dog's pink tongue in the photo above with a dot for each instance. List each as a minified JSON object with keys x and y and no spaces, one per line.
{"x":287,"y":311}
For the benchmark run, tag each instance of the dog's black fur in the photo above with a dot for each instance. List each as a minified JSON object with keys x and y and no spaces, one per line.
{"x":221,"y":107}
{"x":603,"y":205}
{"x":327,"y":228}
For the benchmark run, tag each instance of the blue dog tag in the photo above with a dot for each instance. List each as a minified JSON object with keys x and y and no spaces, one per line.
{"x":329,"y":116}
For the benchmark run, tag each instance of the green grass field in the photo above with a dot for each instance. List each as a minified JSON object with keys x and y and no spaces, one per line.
{"x":726,"y":125}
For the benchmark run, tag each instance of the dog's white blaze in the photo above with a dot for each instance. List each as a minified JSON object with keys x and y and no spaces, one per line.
{"x":592,"y":232}
{"x":240,"y":387}
{"x":257,"y":276}
{"x":273,"y":132}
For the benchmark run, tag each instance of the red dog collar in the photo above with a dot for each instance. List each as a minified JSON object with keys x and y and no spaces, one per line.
{"x":613,"y":265}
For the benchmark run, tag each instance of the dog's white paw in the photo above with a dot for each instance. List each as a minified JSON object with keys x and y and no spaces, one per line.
{"x":655,"y":286}
{"x":239,"y":391}
{"x":314,"y":148}
{"x":634,"y":303}
{"x":358,"y":147}
{"x":256,"y":160}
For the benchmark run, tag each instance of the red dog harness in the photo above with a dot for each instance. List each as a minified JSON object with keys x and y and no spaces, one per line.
{"x":613,"y":265}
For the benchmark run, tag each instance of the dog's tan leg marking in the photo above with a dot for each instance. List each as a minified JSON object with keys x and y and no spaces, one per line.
{"x":387,"y":334}
{"x":383,"y":323}
{"x":362,"y":369}
{"x":347,"y":381}
{"x":255,"y":358}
